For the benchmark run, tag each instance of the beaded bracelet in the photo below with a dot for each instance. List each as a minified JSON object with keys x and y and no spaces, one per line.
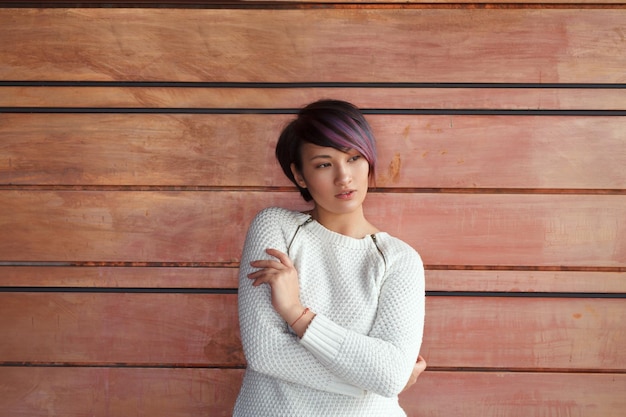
{"x":306,"y":310}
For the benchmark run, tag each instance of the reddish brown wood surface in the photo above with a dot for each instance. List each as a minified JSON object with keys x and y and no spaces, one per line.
{"x":408,"y":97}
{"x":201,"y":330}
{"x":447,"y":229}
{"x":523,"y":281}
{"x":75,"y":392}
{"x":120,"y":232}
{"x":525,"y":333}
{"x":305,"y":3}
{"x":415,"y":151}
{"x":116,"y":329}
{"x":492,"y":394}
{"x":502,"y":279}
{"x":393,"y":45}
{"x":102,"y":391}
{"x":141,"y":276}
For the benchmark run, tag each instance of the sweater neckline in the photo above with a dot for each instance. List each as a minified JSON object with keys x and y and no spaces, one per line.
{"x":307,"y":222}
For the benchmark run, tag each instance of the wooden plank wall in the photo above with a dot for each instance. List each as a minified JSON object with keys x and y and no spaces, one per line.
{"x":136,"y":144}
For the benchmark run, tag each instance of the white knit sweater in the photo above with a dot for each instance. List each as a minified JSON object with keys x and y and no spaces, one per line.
{"x":358,"y":352}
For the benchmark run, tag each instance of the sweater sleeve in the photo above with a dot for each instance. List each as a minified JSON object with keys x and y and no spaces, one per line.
{"x":382,"y":360}
{"x":269,"y":345}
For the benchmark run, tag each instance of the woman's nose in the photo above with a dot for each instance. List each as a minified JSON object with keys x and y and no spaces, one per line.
{"x":343,"y":176}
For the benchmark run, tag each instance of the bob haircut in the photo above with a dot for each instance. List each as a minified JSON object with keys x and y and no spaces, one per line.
{"x":330,"y":123}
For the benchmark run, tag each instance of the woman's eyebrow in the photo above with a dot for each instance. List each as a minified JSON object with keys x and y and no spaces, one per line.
{"x":319,"y":157}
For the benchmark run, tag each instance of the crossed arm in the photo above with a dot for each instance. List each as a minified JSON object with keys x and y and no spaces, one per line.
{"x":272,"y":349}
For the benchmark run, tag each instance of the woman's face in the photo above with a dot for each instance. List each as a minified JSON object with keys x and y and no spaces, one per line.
{"x":338,"y":181}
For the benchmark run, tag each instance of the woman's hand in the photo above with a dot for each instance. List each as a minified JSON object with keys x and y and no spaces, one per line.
{"x":418,"y":368}
{"x":282,"y":277}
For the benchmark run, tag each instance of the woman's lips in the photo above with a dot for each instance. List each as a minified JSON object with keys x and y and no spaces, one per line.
{"x":345,"y":195}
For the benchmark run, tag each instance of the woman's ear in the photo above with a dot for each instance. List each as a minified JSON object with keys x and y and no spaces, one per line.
{"x":298,"y":176}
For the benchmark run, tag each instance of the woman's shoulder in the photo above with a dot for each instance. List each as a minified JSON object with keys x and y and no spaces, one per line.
{"x":279,"y":217}
{"x":279,"y":213}
{"x":395,"y":249}
{"x":276,"y":225}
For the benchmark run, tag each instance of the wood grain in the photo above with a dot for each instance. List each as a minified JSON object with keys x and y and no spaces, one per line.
{"x":490,"y":97}
{"x":113,"y":329}
{"x":133,"y":276}
{"x":545,"y":152}
{"x":525,"y":333}
{"x":75,"y":392}
{"x":303,"y":3}
{"x":200,"y":277}
{"x":102,"y":392}
{"x":492,"y":394}
{"x":120,"y":233}
{"x":519,"y":281}
{"x":537,"y":46}
{"x":446,"y":229}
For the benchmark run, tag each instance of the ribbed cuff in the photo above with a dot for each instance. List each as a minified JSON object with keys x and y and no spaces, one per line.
{"x":323,"y":338}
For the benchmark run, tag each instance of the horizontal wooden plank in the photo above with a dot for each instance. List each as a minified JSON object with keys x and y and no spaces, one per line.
{"x":543,"y":152}
{"x":261,"y":3}
{"x":104,"y":329}
{"x":303,"y":3}
{"x":452,"y":3}
{"x":443,"y":394}
{"x":521,"y":333}
{"x":102,"y":392}
{"x":108,"y":329}
{"x":201,"y":392}
{"x":190,"y":277}
{"x":367,"y":97}
{"x":447,"y":229}
{"x":542,"y":45}
{"x":134,"y":277}
{"x":515,"y":281}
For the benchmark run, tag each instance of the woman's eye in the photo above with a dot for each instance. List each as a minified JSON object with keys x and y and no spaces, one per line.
{"x":354,"y":158}
{"x":324,"y":165}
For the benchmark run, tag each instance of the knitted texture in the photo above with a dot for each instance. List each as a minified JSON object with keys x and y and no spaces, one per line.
{"x":358,"y":352}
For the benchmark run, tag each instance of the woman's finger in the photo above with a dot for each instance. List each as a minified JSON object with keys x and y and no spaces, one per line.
{"x":281,"y":256}
{"x":267,"y":264}
{"x":261,"y":277}
{"x":421,"y":364}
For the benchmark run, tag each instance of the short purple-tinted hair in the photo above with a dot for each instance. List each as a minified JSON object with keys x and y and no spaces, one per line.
{"x":331,"y":123}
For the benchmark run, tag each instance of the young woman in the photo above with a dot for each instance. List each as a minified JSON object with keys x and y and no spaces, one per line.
{"x":331,"y":309}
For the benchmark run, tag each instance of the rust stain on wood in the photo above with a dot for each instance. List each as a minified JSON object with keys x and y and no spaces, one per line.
{"x":392,"y":175}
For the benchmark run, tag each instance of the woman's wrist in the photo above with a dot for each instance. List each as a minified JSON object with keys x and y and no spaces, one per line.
{"x":300,"y":319}
{"x":306,"y":310}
